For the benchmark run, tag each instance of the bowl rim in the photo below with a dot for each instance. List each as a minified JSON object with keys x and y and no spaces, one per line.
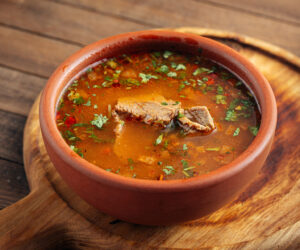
{"x":50,"y":131}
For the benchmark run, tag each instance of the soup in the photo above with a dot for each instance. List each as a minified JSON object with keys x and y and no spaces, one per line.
{"x":158,"y":115}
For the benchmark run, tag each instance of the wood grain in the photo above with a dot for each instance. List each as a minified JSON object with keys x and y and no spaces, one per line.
{"x":265,"y":216}
{"x":32,"y":53}
{"x":71,"y":25}
{"x":165,"y":13}
{"x":13,"y":183}
{"x":281,"y":10}
{"x":21,"y":89}
{"x":11,"y":127}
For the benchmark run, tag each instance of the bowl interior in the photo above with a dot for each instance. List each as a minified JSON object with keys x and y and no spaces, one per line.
{"x":149,"y":41}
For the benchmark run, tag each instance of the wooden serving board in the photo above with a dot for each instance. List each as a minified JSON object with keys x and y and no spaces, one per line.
{"x":265,"y":216}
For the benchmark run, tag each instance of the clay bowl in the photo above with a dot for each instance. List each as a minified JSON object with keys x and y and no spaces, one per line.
{"x":147,"y":201}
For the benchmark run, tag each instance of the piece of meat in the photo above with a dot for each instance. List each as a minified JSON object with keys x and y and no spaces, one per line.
{"x":196,"y":119}
{"x":120,"y":123}
{"x":155,"y":110}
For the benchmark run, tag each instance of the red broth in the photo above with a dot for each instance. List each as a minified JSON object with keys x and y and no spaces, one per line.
{"x":84,"y":116}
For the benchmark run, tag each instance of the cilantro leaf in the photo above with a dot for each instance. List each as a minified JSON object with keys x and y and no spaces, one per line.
{"x":147,"y":77}
{"x":172,"y":74}
{"x":167,"y":54}
{"x":168,"y":170}
{"x":159,"y":139}
{"x":99,"y":120}
{"x":231,"y":116}
{"x":221,"y":99}
{"x":254,"y":130}
{"x":163,"y":69}
{"x":88,"y":103}
{"x":77,"y":150}
{"x":180,"y":67}
{"x":236,"y":132}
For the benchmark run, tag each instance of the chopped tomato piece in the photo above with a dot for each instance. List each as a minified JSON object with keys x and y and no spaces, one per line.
{"x":210,"y":81}
{"x":70,"y":121}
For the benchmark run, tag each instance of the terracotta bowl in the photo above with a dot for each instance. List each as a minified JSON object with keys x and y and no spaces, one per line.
{"x":154,"y":202}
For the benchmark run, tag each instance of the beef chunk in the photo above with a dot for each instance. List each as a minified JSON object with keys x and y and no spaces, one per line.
{"x":120,"y":123}
{"x":196,"y":119}
{"x":155,"y":110}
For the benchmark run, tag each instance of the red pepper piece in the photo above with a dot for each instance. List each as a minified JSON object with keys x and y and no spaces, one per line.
{"x":70,"y":121}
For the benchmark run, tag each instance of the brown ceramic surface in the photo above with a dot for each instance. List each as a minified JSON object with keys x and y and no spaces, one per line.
{"x":145,"y":201}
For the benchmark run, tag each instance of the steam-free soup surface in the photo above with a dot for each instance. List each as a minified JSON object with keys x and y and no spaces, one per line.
{"x":128,"y":145}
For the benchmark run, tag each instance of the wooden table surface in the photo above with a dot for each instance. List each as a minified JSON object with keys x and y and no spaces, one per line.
{"x":36,"y":36}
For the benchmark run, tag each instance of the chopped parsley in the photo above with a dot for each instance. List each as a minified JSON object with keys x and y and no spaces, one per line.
{"x":78,"y":100}
{"x":163,"y":69}
{"x":201,"y":70}
{"x":254,"y":130}
{"x":181,"y":87}
{"x":180,"y":66}
{"x":220,"y":90}
{"x":180,"y":115}
{"x":187,"y":169}
{"x":81,"y":125}
{"x":167,"y":54}
{"x":147,"y":77}
{"x":236,"y":132}
{"x":77,"y":150}
{"x":130,"y":161}
{"x":231,"y":116}
{"x":99,"y":120}
{"x":97,"y":139}
{"x":88,"y":103}
{"x":112,"y":64}
{"x":184,"y":147}
{"x":70,"y":136}
{"x":168,"y":170}
{"x":172,"y":74}
{"x":159,"y":139}
{"x":221,"y":99}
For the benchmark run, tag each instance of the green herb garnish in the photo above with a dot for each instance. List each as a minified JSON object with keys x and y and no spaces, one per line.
{"x":180,"y":66}
{"x":172,"y":74}
{"x":76,"y":150}
{"x":163,"y":69}
{"x":88,"y":103}
{"x":99,"y":120}
{"x":180,"y":115}
{"x":167,"y":54}
{"x":221,"y":99}
{"x":254,"y":130}
{"x":78,"y":100}
{"x":168,"y":170}
{"x":147,"y":77}
{"x":231,"y":116}
{"x":220,"y":90}
{"x":236,"y":132}
{"x":159,"y":139}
